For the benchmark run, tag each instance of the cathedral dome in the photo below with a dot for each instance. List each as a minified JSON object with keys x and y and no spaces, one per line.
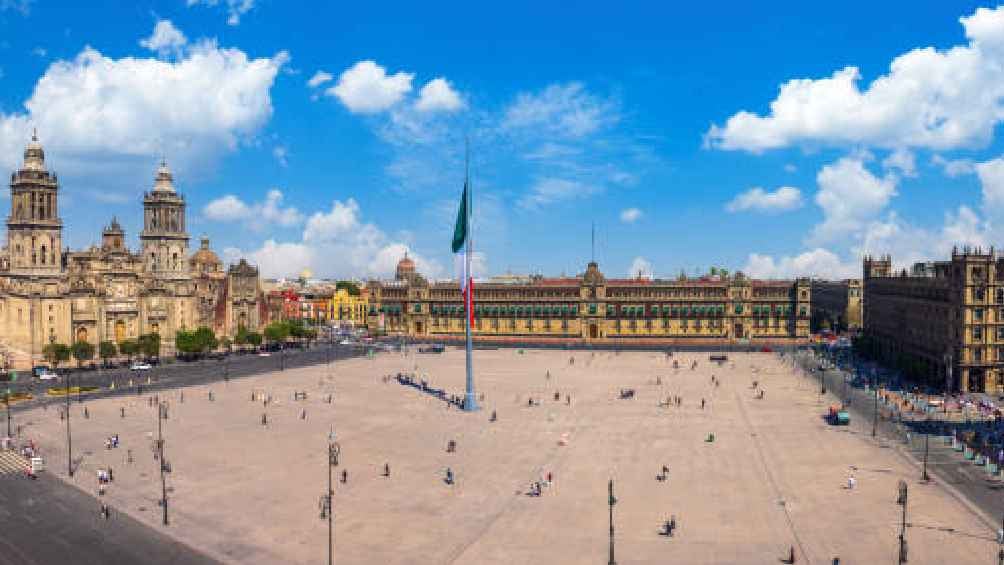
{"x":205,"y":260}
{"x":405,"y":267}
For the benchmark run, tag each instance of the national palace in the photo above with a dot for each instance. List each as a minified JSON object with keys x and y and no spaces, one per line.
{"x":718,"y":308}
{"x":49,"y":294}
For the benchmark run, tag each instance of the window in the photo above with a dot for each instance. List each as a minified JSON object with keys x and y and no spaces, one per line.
{"x":979,"y":294}
{"x":1000,"y":333}
{"x":978,"y":354}
{"x":978,"y":314}
{"x":977,"y":333}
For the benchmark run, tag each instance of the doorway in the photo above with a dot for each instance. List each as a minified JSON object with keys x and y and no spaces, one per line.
{"x":594,"y":332}
{"x":737,"y":331}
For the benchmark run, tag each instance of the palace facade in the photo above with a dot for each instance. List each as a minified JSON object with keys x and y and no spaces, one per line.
{"x":837,"y":305}
{"x":592,"y":308}
{"x":942,"y":321}
{"x":52,"y":295}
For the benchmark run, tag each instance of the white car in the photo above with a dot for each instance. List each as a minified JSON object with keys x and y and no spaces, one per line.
{"x":345,"y":342}
{"x":47,"y":376}
{"x":264,"y":354}
{"x":140,"y":367}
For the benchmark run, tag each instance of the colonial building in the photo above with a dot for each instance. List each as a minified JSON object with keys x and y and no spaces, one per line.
{"x":941,"y":321}
{"x":592,"y":308}
{"x":49,"y":295}
{"x":836,"y":305}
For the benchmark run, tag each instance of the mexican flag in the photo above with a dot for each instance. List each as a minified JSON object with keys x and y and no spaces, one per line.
{"x":461,"y":260}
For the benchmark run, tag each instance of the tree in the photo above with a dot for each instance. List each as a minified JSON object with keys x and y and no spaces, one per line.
{"x":82,"y":351}
{"x":56,"y":353}
{"x":107,"y":350}
{"x":129,"y":347}
{"x":254,"y":338}
{"x":195,"y":342}
{"x":241,"y":339}
{"x":225,"y":343}
{"x":277,"y":332}
{"x":149,"y":344}
{"x":351,"y":287}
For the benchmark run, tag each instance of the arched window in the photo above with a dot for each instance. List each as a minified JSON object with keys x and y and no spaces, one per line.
{"x":43,"y":254}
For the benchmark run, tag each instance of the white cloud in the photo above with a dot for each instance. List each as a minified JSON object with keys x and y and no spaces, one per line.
{"x":818,"y":262}
{"x":125,"y":111}
{"x":567,"y":110}
{"x":901,"y":160}
{"x":937,"y":99}
{"x":361,"y":249}
{"x":630,"y":215}
{"x":790,"y":168}
{"x":366,"y":88}
{"x":165,"y":39}
{"x":640,"y":268}
{"x":319,"y":78}
{"x":549,"y":190}
{"x":230,"y":208}
{"x":281,"y":155}
{"x":438,"y":95}
{"x":850,"y":196}
{"x":991,"y":175}
{"x":954,"y":167}
{"x":756,"y":199}
{"x":235,"y":8}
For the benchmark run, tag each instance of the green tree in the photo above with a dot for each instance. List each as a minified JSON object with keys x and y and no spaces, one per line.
{"x":149,"y":344}
{"x":351,"y":287}
{"x":241,"y":339}
{"x":82,"y":351}
{"x":56,"y":353}
{"x":129,"y":347}
{"x":254,"y":338}
{"x":225,"y":343}
{"x":107,"y":350}
{"x":277,"y":332}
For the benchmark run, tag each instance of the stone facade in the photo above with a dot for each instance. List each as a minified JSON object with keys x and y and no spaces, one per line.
{"x":943,"y":320}
{"x":837,"y":304}
{"x":592,"y":308}
{"x":48,"y":294}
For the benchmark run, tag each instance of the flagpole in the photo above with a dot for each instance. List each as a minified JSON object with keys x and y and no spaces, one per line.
{"x":470,"y":401}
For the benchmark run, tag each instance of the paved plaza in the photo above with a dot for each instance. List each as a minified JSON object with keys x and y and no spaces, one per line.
{"x":774,"y":476}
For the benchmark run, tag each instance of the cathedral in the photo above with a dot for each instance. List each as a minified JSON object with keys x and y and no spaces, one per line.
{"x":49,"y":294}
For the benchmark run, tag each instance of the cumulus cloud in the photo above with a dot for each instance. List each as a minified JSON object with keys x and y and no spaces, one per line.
{"x":850,"y":195}
{"x":361,"y":248}
{"x":566,"y":110}
{"x":235,"y":8}
{"x":819,"y":262}
{"x":319,"y":78}
{"x":756,"y":199}
{"x":366,"y":88}
{"x":630,"y":215}
{"x":640,"y":268}
{"x":901,"y":160}
{"x":954,"y":167}
{"x":230,"y":208}
{"x":438,"y":95}
{"x":549,"y":190}
{"x":930,"y":98}
{"x":165,"y":39}
{"x":94,"y":108}
{"x":991,"y":175}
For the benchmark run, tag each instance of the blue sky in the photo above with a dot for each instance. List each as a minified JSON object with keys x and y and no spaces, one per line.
{"x":783,"y":139}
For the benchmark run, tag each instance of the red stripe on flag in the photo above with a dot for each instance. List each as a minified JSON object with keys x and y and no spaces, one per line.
{"x":469,"y":300}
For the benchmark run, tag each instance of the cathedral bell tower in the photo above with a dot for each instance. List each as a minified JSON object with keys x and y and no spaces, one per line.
{"x":163,"y":239}
{"x":34,"y":230}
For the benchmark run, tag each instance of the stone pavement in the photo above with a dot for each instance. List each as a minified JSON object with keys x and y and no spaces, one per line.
{"x":773,"y":478}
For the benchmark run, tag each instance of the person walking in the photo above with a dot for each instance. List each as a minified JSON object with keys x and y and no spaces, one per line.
{"x":386,"y":469}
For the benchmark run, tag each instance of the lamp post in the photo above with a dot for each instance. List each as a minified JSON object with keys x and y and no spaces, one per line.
{"x":611,"y":501}
{"x":875,"y":406}
{"x":902,"y":529}
{"x":69,"y":437}
{"x":326,"y":500}
{"x":6,"y":401}
{"x":161,"y":416}
{"x":927,"y":437}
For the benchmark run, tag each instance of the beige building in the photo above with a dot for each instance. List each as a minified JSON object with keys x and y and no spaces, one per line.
{"x":837,"y":305}
{"x":943,"y":321}
{"x":52,"y":295}
{"x":592,"y":308}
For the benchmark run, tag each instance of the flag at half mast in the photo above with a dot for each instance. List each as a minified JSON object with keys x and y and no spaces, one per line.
{"x":461,"y":250}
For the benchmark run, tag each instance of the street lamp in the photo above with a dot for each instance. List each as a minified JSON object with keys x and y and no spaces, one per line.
{"x":326,"y":499}
{"x":902,"y":530}
{"x":611,"y":501}
{"x":69,"y":437}
{"x":927,"y":437}
{"x":164,"y":468}
{"x":6,"y":401}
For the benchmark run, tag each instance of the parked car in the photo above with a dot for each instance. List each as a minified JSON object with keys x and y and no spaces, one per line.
{"x":47,"y":375}
{"x":140,"y":367}
{"x":264,"y":354}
